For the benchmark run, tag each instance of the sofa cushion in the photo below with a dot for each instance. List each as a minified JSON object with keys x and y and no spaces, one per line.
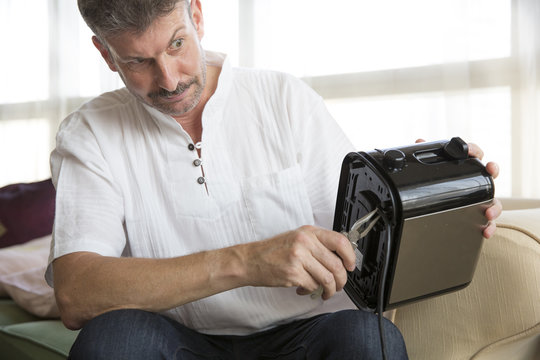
{"x":44,"y":340}
{"x":18,"y":258}
{"x":22,"y":277}
{"x":26,"y":212}
{"x":11,"y":313}
{"x":24,"y":336}
{"x":523,"y":346}
{"x":30,"y":291}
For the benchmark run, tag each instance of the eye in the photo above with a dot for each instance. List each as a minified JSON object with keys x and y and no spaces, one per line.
{"x":138,"y":63}
{"x":177,"y":44}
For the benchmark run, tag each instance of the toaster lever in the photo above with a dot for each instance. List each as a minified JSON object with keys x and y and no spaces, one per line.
{"x":456,"y":149}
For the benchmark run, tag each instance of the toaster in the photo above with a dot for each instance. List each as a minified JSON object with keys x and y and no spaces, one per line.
{"x":431,"y":198}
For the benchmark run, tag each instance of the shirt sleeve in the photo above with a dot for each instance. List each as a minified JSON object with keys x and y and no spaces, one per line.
{"x":321,"y":148}
{"x":89,"y":207}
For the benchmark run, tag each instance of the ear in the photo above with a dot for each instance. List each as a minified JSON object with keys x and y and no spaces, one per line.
{"x":105,"y":53}
{"x":196,"y":14}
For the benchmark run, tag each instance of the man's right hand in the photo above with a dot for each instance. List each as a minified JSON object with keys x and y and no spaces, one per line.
{"x":87,"y":284}
{"x":304,"y":258}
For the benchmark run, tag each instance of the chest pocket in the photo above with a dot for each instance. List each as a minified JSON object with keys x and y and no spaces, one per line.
{"x":277,"y":202}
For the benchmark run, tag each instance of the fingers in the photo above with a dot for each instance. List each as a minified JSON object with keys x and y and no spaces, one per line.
{"x":316,"y":257}
{"x":303,"y":291}
{"x":475,"y":151}
{"x":330,"y":281}
{"x":494,"y":211}
{"x":304,"y":258}
{"x":490,"y":230}
{"x":493,"y":169}
{"x":331,"y":254}
{"x":338,"y":243}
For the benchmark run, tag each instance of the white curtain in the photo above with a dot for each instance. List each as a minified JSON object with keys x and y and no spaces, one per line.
{"x":393,"y":71}
{"x":390,"y":71}
{"x":47,"y":69}
{"x":526,"y":110}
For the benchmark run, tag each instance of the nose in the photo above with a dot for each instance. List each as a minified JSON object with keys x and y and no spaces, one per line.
{"x":166,"y":74}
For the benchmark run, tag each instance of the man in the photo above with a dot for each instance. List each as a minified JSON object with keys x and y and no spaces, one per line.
{"x":192,"y":207}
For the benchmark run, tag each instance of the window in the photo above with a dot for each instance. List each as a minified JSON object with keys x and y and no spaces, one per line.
{"x":389,"y":121}
{"x":22,"y":142}
{"x":390,"y":71}
{"x":50,"y":68}
{"x":318,"y":37}
{"x":28,"y":48}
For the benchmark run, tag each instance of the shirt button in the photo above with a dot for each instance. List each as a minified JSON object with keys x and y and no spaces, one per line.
{"x":201,"y":180}
{"x":191,"y":147}
{"x":197,"y":162}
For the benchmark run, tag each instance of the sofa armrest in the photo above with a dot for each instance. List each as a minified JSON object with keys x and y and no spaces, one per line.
{"x":519,"y":203}
{"x":498,"y":315}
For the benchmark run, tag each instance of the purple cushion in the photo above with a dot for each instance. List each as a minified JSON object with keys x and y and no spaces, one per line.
{"x":26,"y":212}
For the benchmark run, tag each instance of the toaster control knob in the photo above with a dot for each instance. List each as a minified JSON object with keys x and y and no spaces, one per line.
{"x":456,"y":149}
{"x":394,"y":159}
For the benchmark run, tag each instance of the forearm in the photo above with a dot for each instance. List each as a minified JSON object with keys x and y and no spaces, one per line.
{"x":87,"y":284}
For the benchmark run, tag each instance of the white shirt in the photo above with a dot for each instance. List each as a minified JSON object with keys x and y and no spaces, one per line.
{"x":127,"y":185}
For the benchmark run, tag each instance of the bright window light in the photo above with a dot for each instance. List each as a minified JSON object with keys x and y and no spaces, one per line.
{"x":221,"y":27}
{"x":478,"y":116}
{"x":319,"y":37}
{"x":95,"y":77}
{"x":24,"y":150}
{"x":24,"y":64}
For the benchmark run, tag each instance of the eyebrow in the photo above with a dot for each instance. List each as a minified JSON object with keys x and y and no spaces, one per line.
{"x":175,"y":33}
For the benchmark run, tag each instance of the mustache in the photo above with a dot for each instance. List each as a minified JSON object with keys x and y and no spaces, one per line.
{"x":180,"y":88}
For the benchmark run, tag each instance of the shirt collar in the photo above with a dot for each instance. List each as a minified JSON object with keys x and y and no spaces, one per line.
{"x":213,"y":111}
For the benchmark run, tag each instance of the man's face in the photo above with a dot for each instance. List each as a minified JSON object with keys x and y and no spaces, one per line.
{"x":163,"y":67}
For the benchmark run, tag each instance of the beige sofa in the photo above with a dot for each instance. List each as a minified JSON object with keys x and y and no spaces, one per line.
{"x":497,"y":317}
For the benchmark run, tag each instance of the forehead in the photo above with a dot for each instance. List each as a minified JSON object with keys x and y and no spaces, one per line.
{"x":157,"y":35}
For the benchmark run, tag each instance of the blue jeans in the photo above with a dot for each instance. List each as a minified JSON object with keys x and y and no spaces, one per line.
{"x":137,"y":334}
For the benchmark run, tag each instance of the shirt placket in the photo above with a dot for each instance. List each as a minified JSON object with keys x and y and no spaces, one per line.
{"x":198,"y":163}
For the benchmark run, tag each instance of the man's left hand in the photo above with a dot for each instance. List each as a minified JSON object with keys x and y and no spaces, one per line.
{"x":494,"y":210}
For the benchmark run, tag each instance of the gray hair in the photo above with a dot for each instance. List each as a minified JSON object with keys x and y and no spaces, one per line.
{"x":107,"y":18}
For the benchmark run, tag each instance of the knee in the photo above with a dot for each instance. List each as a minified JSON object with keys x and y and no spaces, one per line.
{"x":118,"y":334}
{"x":394,"y":342}
{"x":355,"y":334}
